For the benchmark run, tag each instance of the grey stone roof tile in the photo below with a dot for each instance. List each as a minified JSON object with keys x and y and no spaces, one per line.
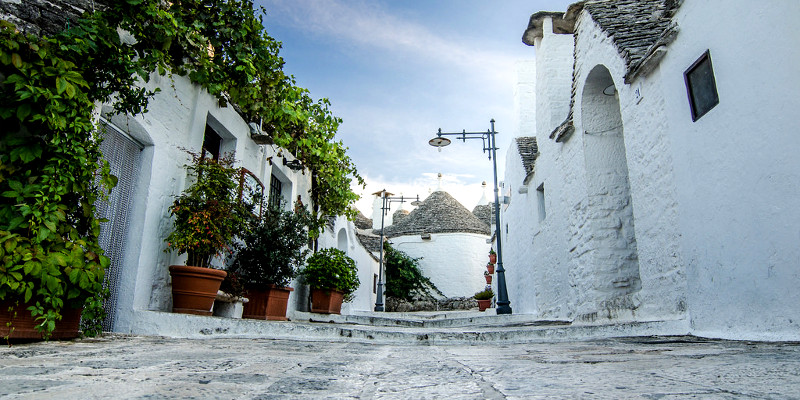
{"x":399,"y":215}
{"x":362,"y":222}
{"x":46,"y":17}
{"x":528,"y":152}
{"x":637,"y":28}
{"x":439,"y":213}
{"x":484,"y":213}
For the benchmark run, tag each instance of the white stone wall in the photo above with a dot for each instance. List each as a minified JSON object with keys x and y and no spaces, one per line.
{"x":536,"y":254}
{"x":367,"y":266}
{"x":454,"y":262}
{"x":177,"y":119}
{"x":737,"y":168}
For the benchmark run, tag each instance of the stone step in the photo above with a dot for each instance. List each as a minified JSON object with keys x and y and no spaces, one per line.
{"x":506,"y":329}
{"x":438,"y":319}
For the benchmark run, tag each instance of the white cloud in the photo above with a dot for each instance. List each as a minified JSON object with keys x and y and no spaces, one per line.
{"x":366,"y":24}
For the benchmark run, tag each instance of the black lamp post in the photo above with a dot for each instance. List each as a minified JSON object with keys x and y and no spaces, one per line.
{"x":489,"y":146}
{"x":386,"y":200}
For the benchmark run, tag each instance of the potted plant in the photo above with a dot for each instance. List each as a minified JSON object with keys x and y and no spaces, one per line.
{"x":208,"y":214}
{"x":490,"y":268}
{"x":333,"y":278}
{"x":484,"y":299}
{"x":267,"y":259}
{"x":492,"y":257}
{"x":488,"y":277}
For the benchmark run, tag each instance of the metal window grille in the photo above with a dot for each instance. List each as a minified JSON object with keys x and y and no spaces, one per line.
{"x":123,"y":155}
{"x":275,"y":187}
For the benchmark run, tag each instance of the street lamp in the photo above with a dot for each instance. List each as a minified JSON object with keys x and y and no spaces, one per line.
{"x":489,"y":145}
{"x":386,"y":200}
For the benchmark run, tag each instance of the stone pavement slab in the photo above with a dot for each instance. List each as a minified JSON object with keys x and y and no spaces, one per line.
{"x":138,"y":367}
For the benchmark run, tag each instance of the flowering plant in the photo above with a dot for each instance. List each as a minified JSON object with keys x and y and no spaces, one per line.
{"x":208,"y":214}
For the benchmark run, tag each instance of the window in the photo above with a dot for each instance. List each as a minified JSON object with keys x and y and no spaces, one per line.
{"x":701,"y":86}
{"x":275,"y":187}
{"x":374,"y":283}
{"x":212,"y":142}
{"x":540,"y":199}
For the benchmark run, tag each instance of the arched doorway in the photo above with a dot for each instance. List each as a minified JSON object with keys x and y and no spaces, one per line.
{"x":613,"y":272}
{"x":341,"y":240}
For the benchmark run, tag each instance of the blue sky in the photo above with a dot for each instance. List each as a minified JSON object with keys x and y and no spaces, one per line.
{"x":396,"y":71}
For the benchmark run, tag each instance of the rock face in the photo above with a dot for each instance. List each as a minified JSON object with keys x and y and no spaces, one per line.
{"x":40,"y":17}
{"x":449,"y":304}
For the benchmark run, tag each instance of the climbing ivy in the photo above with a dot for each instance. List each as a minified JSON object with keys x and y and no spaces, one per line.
{"x":50,"y":169}
{"x":404,"y":279}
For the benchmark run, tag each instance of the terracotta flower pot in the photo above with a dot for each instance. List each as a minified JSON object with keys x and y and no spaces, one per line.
{"x":492,"y":258}
{"x":326,"y":301}
{"x":23,"y":325}
{"x":269,"y":304}
{"x":490,"y":268}
{"x":488,"y":279}
{"x":194,"y":289}
{"x":484,"y":304}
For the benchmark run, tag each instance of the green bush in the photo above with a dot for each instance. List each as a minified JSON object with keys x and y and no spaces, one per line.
{"x":484,"y":295}
{"x":272,"y":251}
{"x":332,"y":269}
{"x":404,"y":279}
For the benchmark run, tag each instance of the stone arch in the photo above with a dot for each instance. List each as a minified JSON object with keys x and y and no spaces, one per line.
{"x":341,"y":240}
{"x":613,"y":265}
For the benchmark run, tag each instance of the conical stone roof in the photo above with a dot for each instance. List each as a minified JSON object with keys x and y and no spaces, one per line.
{"x":362,"y":222}
{"x":439,"y":213}
{"x":484,"y":213}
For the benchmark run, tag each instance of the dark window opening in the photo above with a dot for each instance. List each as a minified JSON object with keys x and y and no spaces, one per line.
{"x":374,"y":283}
{"x":212,"y":142}
{"x":701,"y":86}
{"x":275,"y":186}
{"x":540,"y":199}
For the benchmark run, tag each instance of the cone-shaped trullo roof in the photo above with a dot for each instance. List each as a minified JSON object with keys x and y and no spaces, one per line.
{"x":362,"y":222}
{"x":439,"y":213}
{"x":485,"y":213}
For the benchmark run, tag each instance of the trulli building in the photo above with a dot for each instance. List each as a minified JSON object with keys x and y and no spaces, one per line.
{"x":450,"y":241}
{"x":663,"y":184}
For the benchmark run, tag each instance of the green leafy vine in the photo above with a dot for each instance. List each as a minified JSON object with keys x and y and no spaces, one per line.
{"x":49,"y":147}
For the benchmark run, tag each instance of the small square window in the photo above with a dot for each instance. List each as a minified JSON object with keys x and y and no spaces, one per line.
{"x":701,"y":86}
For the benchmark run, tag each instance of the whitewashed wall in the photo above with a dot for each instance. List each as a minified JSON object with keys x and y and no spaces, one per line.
{"x":536,"y":254}
{"x":651,"y":180}
{"x":454,"y":262}
{"x":177,"y":119}
{"x":343,"y":237}
{"x":737,"y":168}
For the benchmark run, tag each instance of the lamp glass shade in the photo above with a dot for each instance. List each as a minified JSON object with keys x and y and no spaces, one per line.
{"x":439,"y":142}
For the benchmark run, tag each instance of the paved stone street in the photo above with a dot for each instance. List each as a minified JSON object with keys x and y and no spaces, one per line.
{"x":151,"y":367}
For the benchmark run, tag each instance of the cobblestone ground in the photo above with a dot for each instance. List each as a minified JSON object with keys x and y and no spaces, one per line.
{"x":153,"y":368}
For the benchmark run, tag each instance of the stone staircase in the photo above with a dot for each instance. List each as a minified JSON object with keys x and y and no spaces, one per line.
{"x":424,"y":328}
